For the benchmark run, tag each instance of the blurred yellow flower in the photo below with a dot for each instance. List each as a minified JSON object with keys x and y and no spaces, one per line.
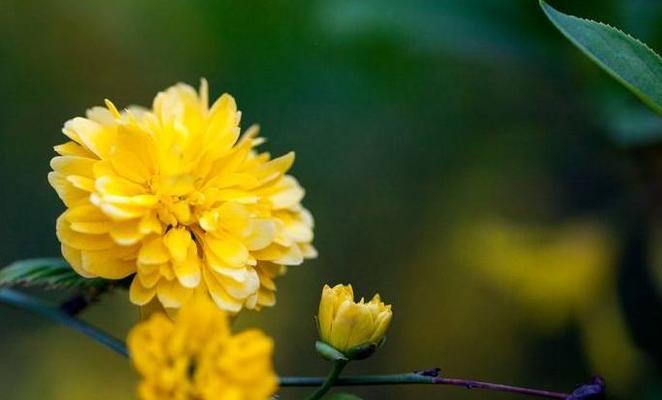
{"x":196,"y":358}
{"x":560,"y":275}
{"x":345,"y":324}
{"x":173,"y":195}
{"x":557,"y":271}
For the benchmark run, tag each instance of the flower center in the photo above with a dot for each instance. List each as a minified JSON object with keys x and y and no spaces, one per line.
{"x":178,"y":199}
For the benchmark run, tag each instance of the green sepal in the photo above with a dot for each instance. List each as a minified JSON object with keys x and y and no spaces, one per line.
{"x":344,"y":396}
{"x":362,"y":351}
{"x":329,"y":352}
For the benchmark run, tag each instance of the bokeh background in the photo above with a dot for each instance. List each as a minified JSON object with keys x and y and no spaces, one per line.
{"x":460,"y":157}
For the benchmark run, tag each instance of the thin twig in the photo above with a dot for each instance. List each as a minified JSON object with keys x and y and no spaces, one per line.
{"x":417,"y":378}
{"x":25,"y":302}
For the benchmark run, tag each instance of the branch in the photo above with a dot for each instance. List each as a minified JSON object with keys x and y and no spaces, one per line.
{"x":424,"y":377}
{"x":36,"y":306}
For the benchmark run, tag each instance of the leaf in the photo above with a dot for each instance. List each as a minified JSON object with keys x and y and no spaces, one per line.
{"x":344,"y":396}
{"x":53,"y":273}
{"x":625,"y":58}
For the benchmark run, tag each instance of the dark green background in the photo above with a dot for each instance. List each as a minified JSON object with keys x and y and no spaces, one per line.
{"x":412,"y":121}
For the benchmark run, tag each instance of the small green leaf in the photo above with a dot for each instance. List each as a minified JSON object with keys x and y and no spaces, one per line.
{"x":625,"y":58}
{"x":344,"y":396}
{"x":53,"y":273}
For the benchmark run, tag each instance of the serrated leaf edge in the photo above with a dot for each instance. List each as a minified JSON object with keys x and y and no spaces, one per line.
{"x":646,"y":99}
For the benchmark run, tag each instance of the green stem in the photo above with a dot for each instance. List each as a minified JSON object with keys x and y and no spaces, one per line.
{"x":367,"y":380}
{"x":330,"y":381}
{"x":25,"y":302}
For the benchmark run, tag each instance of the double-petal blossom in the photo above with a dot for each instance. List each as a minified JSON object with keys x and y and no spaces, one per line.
{"x":176,"y":196}
{"x":196,"y":357}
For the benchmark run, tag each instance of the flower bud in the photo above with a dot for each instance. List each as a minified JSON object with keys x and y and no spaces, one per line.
{"x":354,"y":329}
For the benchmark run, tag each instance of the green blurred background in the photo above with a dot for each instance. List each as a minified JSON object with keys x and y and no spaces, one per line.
{"x":460,"y":157}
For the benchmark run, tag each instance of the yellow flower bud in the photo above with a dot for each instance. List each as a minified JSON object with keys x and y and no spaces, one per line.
{"x":345,"y":324}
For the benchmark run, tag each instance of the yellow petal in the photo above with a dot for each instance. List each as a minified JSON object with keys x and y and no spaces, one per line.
{"x":73,"y":165}
{"x":101,"y":115}
{"x":275,"y":168}
{"x":188,"y":271}
{"x":262,"y":234}
{"x":238,"y":282}
{"x":70,"y":195}
{"x":352,"y":326}
{"x":72,"y":148}
{"x":81,"y":182}
{"x":118,"y":212}
{"x":326,"y":313}
{"x":362,"y":327}
{"x":153,"y":252}
{"x":381,"y":325}
{"x":288,"y":193}
{"x":109,"y":264}
{"x":219,"y":294}
{"x":73,"y":257}
{"x":233,"y":217}
{"x":172,"y":294}
{"x":291,"y":256}
{"x":125,"y":233}
{"x":91,"y":134}
{"x":222,"y":131}
{"x":94,"y":228}
{"x":139,"y":294}
{"x":178,"y":240}
{"x":150,"y":223}
{"x":81,"y":241}
{"x":115,"y":186}
{"x":226,"y":247}
{"x":133,"y":155}
{"x":149,"y":275}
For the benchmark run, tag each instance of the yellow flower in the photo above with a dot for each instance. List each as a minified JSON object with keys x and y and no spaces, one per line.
{"x":173,"y":195}
{"x":196,"y":357}
{"x":345,"y":324}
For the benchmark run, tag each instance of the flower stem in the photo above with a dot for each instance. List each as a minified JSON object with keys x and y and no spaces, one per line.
{"x":25,"y":302}
{"x":417,"y":378}
{"x":330,"y":381}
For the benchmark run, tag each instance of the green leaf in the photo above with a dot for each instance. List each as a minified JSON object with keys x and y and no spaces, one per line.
{"x":53,"y":273}
{"x":344,"y":396}
{"x":625,"y":58}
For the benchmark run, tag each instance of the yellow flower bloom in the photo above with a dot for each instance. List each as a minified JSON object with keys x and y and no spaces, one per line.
{"x":196,"y":357}
{"x":173,"y":195}
{"x":345,"y":324}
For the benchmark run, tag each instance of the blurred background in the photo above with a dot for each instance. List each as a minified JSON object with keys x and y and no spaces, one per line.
{"x":460,"y":157}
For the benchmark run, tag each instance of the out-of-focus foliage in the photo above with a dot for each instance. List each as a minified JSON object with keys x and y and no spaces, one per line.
{"x":416,"y":125}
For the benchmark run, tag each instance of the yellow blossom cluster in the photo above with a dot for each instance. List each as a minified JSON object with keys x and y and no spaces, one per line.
{"x":197,"y":358}
{"x":175,"y":196}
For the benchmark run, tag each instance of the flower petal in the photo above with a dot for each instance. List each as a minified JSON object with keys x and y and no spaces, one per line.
{"x":139,"y":294}
{"x":172,"y":294}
